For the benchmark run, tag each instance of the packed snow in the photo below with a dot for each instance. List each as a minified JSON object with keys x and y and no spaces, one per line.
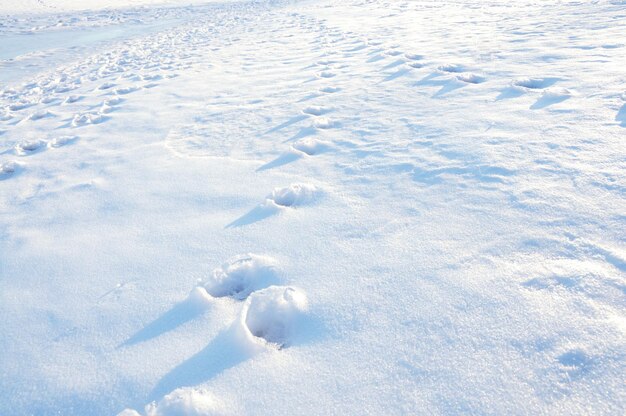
{"x":430,"y":197}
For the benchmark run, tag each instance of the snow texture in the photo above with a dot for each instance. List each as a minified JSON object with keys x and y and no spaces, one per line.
{"x":433,"y":193}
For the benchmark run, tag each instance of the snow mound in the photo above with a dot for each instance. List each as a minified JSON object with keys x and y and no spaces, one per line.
{"x":241,"y":276}
{"x":272,"y":314}
{"x":292,"y":195}
{"x":186,"y":402}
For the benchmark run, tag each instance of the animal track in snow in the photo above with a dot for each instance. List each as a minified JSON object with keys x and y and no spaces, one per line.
{"x":272,"y":315}
{"x":27,"y":147}
{"x":241,"y":276}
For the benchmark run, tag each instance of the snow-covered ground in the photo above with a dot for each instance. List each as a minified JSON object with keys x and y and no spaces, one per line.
{"x":319,"y":207}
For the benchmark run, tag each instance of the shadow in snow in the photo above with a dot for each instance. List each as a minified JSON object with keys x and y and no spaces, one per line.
{"x":281,"y":160}
{"x":449,"y":87}
{"x":225,"y":351}
{"x":399,"y":73}
{"x":394,"y":64}
{"x":287,"y":123}
{"x":547,"y":101}
{"x":510,"y":92}
{"x":181,"y":313}
{"x":621,"y":116}
{"x":258,"y":213}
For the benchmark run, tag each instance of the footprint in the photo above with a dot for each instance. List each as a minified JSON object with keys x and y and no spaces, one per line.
{"x":393,"y":52}
{"x":28,"y":147}
{"x":62,"y":141}
{"x":72,"y":99}
{"x":8,"y":169}
{"x":535,"y":83}
{"x":39,"y":115}
{"x":329,"y":90}
{"x":324,"y":123}
{"x":106,"y":86}
{"x":471,"y":78}
{"x":87,"y":118}
{"x":125,"y":90}
{"x":292,"y":195}
{"x":315,"y":110}
{"x":188,"y":401}
{"x":326,"y":74}
{"x":310,"y":146}
{"x":241,"y":276}
{"x":413,"y":56}
{"x":272,"y":315}
{"x":454,"y":68}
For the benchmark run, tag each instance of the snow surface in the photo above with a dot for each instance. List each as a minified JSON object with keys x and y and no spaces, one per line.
{"x":433,"y":193}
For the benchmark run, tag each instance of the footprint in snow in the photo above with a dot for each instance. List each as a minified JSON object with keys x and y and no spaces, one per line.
{"x":85,"y":119}
{"x":324,"y":123}
{"x":272,"y":316}
{"x":29,"y":147}
{"x":329,"y":90}
{"x":240,"y":276}
{"x":471,"y":78}
{"x":8,"y":169}
{"x":39,"y":115}
{"x":326,"y":74}
{"x":413,"y":56}
{"x":315,"y":110}
{"x":393,"y":52}
{"x":535,"y":83}
{"x":280,"y":199}
{"x":453,"y":68}
{"x":62,"y":141}
{"x":310,"y":146}
{"x":106,"y":86}
{"x":72,"y":99}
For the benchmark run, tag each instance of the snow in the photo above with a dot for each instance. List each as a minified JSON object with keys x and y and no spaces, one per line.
{"x":431,"y":195}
